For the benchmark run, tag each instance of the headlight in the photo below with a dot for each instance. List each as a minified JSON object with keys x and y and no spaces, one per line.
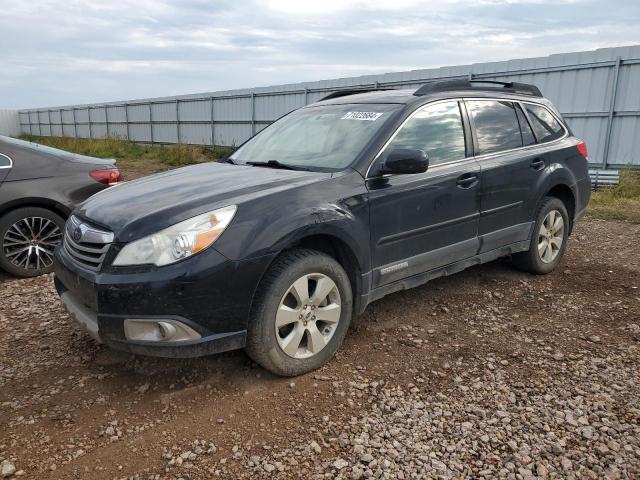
{"x":177,"y":242}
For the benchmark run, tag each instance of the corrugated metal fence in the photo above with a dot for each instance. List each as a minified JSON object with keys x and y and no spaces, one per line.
{"x":9,"y":123}
{"x":598,"y":92}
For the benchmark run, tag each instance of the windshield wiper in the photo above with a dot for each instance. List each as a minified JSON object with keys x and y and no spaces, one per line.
{"x":275,"y":164}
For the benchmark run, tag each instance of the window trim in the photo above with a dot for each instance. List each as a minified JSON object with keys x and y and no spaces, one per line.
{"x":473,"y":132}
{"x":528,"y":147}
{"x":10,"y":162}
{"x":415,"y":112}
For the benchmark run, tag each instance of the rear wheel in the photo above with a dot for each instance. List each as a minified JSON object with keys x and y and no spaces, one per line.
{"x":301,"y":313}
{"x":549,"y":239}
{"x":28,"y":237}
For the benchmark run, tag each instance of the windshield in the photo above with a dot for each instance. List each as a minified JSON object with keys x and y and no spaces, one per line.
{"x":327,"y":137}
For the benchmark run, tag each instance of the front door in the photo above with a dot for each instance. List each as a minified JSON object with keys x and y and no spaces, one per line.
{"x":420,"y":222}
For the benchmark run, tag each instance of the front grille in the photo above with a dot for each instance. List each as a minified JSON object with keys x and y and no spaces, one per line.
{"x":85,"y":244}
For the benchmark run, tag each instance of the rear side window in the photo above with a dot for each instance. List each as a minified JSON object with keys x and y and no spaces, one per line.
{"x":5,"y":162}
{"x":437,"y":130}
{"x":496,"y":125}
{"x":525,"y":128}
{"x":544,"y":124}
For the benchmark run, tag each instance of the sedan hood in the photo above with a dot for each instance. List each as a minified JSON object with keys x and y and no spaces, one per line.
{"x":135,"y":209}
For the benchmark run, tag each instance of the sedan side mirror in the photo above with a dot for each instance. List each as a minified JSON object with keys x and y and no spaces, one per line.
{"x":405,"y":161}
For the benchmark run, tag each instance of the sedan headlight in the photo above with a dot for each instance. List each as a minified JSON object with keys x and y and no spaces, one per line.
{"x":178,"y":241}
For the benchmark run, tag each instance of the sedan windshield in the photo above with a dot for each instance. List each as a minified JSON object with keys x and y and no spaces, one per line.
{"x":327,"y":137}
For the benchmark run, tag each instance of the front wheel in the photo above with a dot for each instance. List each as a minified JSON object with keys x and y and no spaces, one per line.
{"x":549,"y":239}
{"x":28,"y":237}
{"x":301,"y":313}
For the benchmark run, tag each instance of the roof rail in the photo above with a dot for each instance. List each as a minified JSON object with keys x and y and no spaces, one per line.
{"x":354,"y":91}
{"x":487,"y":85}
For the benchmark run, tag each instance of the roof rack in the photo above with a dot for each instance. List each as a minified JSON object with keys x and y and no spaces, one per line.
{"x":489,"y":85}
{"x":354,"y":91}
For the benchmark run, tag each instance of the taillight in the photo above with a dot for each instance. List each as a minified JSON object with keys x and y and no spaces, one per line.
{"x":582,"y":148}
{"x":107,"y":176}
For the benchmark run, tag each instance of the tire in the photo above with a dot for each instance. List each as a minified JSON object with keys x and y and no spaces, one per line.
{"x":547,"y":244}
{"x":277,"y":300}
{"x":27,"y":239}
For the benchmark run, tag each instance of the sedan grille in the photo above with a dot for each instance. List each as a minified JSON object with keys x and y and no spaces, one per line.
{"x":85,"y":244}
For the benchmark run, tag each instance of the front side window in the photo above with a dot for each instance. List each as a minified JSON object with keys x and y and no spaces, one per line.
{"x":496,"y":125}
{"x":325,"y":138}
{"x":436,"y":129}
{"x":544,"y":124}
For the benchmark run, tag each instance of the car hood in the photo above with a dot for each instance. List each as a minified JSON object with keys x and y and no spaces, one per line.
{"x":141,"y":207}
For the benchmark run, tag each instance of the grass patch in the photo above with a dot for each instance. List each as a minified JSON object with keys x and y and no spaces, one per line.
{"x":134,"y":159}
{"x":621,"y":202}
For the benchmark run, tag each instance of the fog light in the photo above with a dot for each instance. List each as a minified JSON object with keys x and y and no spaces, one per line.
{"x":158,"y":330}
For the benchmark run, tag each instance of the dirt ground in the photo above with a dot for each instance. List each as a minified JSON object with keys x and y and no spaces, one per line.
{"x":489,"y":373}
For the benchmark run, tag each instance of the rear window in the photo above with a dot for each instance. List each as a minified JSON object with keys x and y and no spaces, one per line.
{"x":545,"y":125}
{"x":36,"y":147}
{"x":496,"y":125}
{"x":4,"y":161}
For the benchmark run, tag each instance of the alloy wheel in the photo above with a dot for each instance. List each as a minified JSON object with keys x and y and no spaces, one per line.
{"x":308,"y":315}
{"x":551,"y":236}
{"x":29,"y":243}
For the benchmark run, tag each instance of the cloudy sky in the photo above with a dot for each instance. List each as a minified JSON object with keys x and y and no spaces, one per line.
{"x":60,"y":52}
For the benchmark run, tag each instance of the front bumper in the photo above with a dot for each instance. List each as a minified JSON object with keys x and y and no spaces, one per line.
{"x":208,"y":293}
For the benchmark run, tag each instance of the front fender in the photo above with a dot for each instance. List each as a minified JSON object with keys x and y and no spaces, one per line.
{"x":338,"y":207}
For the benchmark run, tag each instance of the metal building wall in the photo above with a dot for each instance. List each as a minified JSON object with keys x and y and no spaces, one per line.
{"x":9,"y":123}
{"x":598,"y":92}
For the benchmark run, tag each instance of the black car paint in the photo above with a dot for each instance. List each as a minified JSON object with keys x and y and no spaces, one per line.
{"x":452,"y":216}
{"x":40,"y":176}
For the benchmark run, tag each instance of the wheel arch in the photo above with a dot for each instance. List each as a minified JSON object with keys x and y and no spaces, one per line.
{"x":331,"y":243}
{"x":37,"y":202}
{"x":566,"y":195}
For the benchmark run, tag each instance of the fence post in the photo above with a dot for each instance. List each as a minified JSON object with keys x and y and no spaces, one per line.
{"x":151,"y":121}
{"x":213,"y":129}
{"x":178,"y":120}
{"x":126,"y":120}
{"x":612,"y":105}
{"x":89,"y":118}
{"x":253,"y":114}
{"x":306,"y":96}
{"x":61,"y":123}
{"x":49,"y":116}
{"x":106,"y":119}
{"x":75,"y":128}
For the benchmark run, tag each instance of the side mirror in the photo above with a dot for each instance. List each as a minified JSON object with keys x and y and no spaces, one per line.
{"x":405,"y":161}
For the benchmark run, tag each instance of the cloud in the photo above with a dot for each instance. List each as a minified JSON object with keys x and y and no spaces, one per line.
{"x":58,"y":52}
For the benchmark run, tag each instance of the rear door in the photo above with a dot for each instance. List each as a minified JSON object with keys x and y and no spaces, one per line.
{"x":424,"y":221}
{"x":511,"y":163}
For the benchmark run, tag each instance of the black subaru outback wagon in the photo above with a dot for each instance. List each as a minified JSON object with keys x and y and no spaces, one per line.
{"x":328,"y":209}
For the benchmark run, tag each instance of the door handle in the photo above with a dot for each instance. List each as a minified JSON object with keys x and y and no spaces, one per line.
{"x":467,"y":180}
{"x":538,"y":164}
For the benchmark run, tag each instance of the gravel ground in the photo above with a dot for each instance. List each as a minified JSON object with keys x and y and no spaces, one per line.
{"x":491,"y":373}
